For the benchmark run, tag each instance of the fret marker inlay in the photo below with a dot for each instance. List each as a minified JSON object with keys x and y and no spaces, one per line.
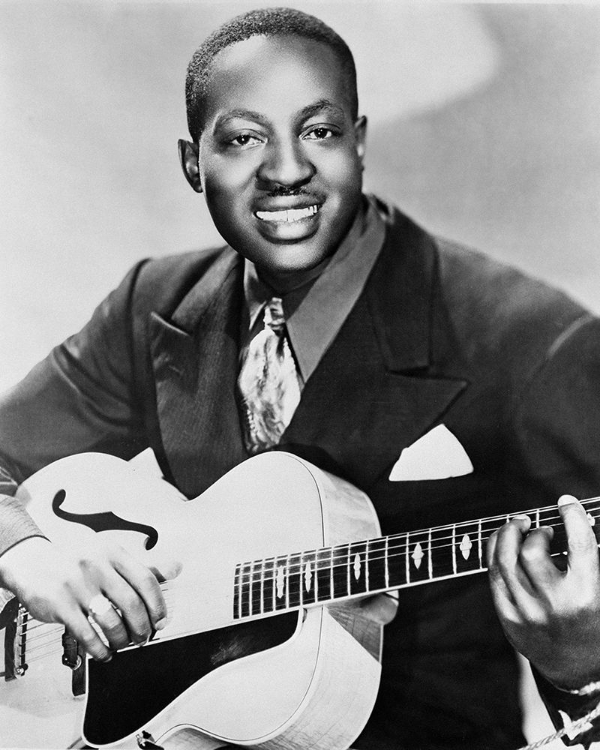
{"x":417,"y":555}
{"x":307,"y":576}
{"x":280,"y":581}
{"x":465,"y":546}
{"x":357,"y":567}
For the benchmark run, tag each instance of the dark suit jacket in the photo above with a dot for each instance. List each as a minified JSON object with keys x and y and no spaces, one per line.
{"x":439,"y":335}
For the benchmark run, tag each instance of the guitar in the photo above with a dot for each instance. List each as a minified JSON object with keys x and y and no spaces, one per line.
{"x":263,"y":636}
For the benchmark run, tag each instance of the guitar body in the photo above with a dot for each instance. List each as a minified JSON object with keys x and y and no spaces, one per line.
{"x":278,"y":681}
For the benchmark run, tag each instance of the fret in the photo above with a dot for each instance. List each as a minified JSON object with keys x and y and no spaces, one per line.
{"x":357,"y":568}
{"x":287,"y":581}
{"x":429,"y":558}
{"x":465,"y":548}
{"x":236,"y":594}
{"x":294,"y":581}
{"x":479,"y":544}
{"x":416,"y":552}
{"x":268,"y":589}
{"x":442,"y":549}
{"x":454,"y":548}
{"x":332,"y":573}
{"x":377,"y":564}
{"x":488,"y":526}
{"x":387,"y":563}
{"x":245,"y":590}
{"x":262,"y":587}
{"x":280,"y":593}
{"x":341,"y":571}
{"x":324,"y":576}
{"x":399,"y":561}
{"x":251,"y":591}
{"x":308,"y":578}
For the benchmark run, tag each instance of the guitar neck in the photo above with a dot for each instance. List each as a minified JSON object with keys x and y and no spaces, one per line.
{"x":346,"y":571}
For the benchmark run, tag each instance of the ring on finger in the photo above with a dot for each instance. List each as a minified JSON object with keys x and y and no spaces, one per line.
{"x":99,"y":606}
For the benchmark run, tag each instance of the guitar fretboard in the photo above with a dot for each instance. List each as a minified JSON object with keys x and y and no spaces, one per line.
{"x":329,"y":574}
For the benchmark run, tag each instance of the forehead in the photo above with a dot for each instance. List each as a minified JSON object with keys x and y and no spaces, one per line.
{"x":275,"y":75}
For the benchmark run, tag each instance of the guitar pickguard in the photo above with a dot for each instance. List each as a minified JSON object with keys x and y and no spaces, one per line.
{"x":127,"y":692}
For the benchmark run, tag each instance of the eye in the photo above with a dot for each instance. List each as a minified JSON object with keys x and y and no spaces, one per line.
{"x":319,"y":134}
{"x":243,"y":140}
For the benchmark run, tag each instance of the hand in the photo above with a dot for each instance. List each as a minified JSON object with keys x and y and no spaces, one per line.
{"x":58,"y":586}
{"x":550,"y":615}
{"x":380,"y":608}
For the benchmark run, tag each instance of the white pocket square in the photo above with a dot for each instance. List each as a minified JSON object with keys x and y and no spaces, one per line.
{"x":436,"y":455}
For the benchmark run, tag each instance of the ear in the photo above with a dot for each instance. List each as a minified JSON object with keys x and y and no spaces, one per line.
{"x":188,"y":157}
{"x":360,"y":129}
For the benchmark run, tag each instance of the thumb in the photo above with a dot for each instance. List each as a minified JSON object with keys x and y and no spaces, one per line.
{"x":164,"y":567}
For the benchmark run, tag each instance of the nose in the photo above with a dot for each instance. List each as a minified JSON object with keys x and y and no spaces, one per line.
{"x":285,"y":164}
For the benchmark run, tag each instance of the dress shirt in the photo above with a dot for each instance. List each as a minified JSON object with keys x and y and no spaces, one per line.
{"x":316,"y":311}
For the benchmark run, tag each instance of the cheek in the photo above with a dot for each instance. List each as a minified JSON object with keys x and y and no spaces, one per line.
{"x":224,"y":177}
{"x":343,"y":171}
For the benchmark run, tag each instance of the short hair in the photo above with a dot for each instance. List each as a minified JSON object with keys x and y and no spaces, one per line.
{"x":264,"y":22}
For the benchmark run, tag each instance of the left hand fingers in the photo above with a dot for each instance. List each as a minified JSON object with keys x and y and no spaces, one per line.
{"x":520,"y":566}
{"x":503,"y":551}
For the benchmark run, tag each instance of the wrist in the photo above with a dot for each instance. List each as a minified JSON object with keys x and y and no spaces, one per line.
{"x":13,"y":558}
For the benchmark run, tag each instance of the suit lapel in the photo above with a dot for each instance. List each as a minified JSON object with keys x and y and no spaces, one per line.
{"x":375,"y":390}
{"x":195,"y":355}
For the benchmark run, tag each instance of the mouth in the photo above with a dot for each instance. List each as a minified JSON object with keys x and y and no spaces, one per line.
{"x":288,"y":216}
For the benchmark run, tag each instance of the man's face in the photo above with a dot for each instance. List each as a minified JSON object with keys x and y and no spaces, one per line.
{"x":280,"y":156}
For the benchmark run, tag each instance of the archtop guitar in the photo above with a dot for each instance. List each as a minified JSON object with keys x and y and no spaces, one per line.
{"x":265,"y":645}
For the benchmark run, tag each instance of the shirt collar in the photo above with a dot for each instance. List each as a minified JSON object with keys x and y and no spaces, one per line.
{"x":316,"y":311}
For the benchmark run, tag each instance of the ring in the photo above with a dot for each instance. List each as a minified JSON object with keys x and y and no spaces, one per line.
{"x":99,"y":606}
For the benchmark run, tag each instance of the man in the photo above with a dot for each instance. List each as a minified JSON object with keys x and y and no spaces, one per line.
{"x":384,"y":337}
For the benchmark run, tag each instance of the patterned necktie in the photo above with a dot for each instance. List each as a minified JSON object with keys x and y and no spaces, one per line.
{"x":268,"y":382}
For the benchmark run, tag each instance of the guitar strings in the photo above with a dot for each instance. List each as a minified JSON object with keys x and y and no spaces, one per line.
{"x":341,"y":562}
{"x":42,"y":639}
{"x":406,"y":539}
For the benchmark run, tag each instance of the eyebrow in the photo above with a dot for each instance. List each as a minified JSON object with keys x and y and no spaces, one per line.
{"x":320,"y":106}
{"x":311,"y":109}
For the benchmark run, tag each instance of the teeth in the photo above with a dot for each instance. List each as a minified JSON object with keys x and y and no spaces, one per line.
{"x":293,"y":214}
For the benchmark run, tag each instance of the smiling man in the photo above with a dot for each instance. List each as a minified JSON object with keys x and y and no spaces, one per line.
{"x":445,"y":386}
{"x":280,"y":163}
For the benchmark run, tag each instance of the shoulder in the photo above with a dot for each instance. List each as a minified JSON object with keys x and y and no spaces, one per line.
{"x":492,"y":314}
{"x":483,"y":311}
{"x":493,"y":305}
{"x":161,"y":283}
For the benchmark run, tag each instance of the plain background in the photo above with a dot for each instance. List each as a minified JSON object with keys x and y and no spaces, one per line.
{"x":484,"y":126}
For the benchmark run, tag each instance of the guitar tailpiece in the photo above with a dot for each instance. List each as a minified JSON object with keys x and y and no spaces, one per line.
{"x":146,"y":741}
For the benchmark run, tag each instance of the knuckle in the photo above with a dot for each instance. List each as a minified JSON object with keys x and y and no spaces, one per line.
{"x":89,"y":639}
{"x":531,"y":553}
{"x":130,"y":603}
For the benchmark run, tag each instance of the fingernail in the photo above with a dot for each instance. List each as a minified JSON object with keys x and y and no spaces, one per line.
{"x":161,"y":623}
{"x":567,"y":500}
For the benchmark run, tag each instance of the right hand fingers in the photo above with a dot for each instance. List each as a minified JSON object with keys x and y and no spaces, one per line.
{"x":58,"y":587}
{"x":133,"y":589}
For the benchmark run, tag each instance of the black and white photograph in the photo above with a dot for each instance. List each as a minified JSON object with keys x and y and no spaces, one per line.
{"x":300,"y":383}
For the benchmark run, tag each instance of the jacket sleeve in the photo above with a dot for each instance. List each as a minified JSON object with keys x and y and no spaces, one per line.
{"x":558,"y":442}
{"x":82,"y":397}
